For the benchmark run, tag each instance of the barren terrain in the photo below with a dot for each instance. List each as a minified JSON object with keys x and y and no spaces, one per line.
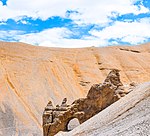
{"x":30,"y":76}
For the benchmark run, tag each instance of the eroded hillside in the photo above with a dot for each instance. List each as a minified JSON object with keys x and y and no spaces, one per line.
{"x":30,"y":76}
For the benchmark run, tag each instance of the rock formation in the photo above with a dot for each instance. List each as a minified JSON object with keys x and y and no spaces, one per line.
{"x":129,"y":116}
{"x":99,"y":97}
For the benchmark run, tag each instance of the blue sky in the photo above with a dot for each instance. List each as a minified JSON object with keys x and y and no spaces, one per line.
{"x":80,"y":23}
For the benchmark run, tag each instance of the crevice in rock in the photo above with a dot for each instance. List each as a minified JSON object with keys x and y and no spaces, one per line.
{"x":135,"y":51}
{"x":84,"y":83}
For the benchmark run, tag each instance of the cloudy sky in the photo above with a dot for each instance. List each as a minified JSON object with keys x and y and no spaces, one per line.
{"x":75,"y":23}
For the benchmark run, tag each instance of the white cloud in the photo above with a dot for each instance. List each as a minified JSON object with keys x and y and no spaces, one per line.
{"x":10,"y":34}
{"x":23,"y":22}
{"x":89,"y":12}
{"x":94,"y":12}
{"x":71,"y":43}
{"x":51,"y":38}
{"x":132,"y":32}
{"x":55,"y":38}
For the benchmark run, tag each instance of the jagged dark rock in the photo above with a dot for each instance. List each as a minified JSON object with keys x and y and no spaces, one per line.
{"x":99,"y":97}
{"x":135,"y":51}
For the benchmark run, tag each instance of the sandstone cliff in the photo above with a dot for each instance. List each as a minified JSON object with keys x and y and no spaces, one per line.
{"x":30,"y":76}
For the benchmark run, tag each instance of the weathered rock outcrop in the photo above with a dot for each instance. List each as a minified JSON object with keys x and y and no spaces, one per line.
{"x":99,"y":97}
{"x":129,"y":116}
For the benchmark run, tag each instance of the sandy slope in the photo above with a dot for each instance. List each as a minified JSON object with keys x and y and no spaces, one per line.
{"x":31,"y":75}
{"x":130,"y":116}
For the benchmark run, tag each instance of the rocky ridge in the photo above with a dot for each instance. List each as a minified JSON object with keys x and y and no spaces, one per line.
{"x":99,"y":97}
{"x":129,"y":116}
